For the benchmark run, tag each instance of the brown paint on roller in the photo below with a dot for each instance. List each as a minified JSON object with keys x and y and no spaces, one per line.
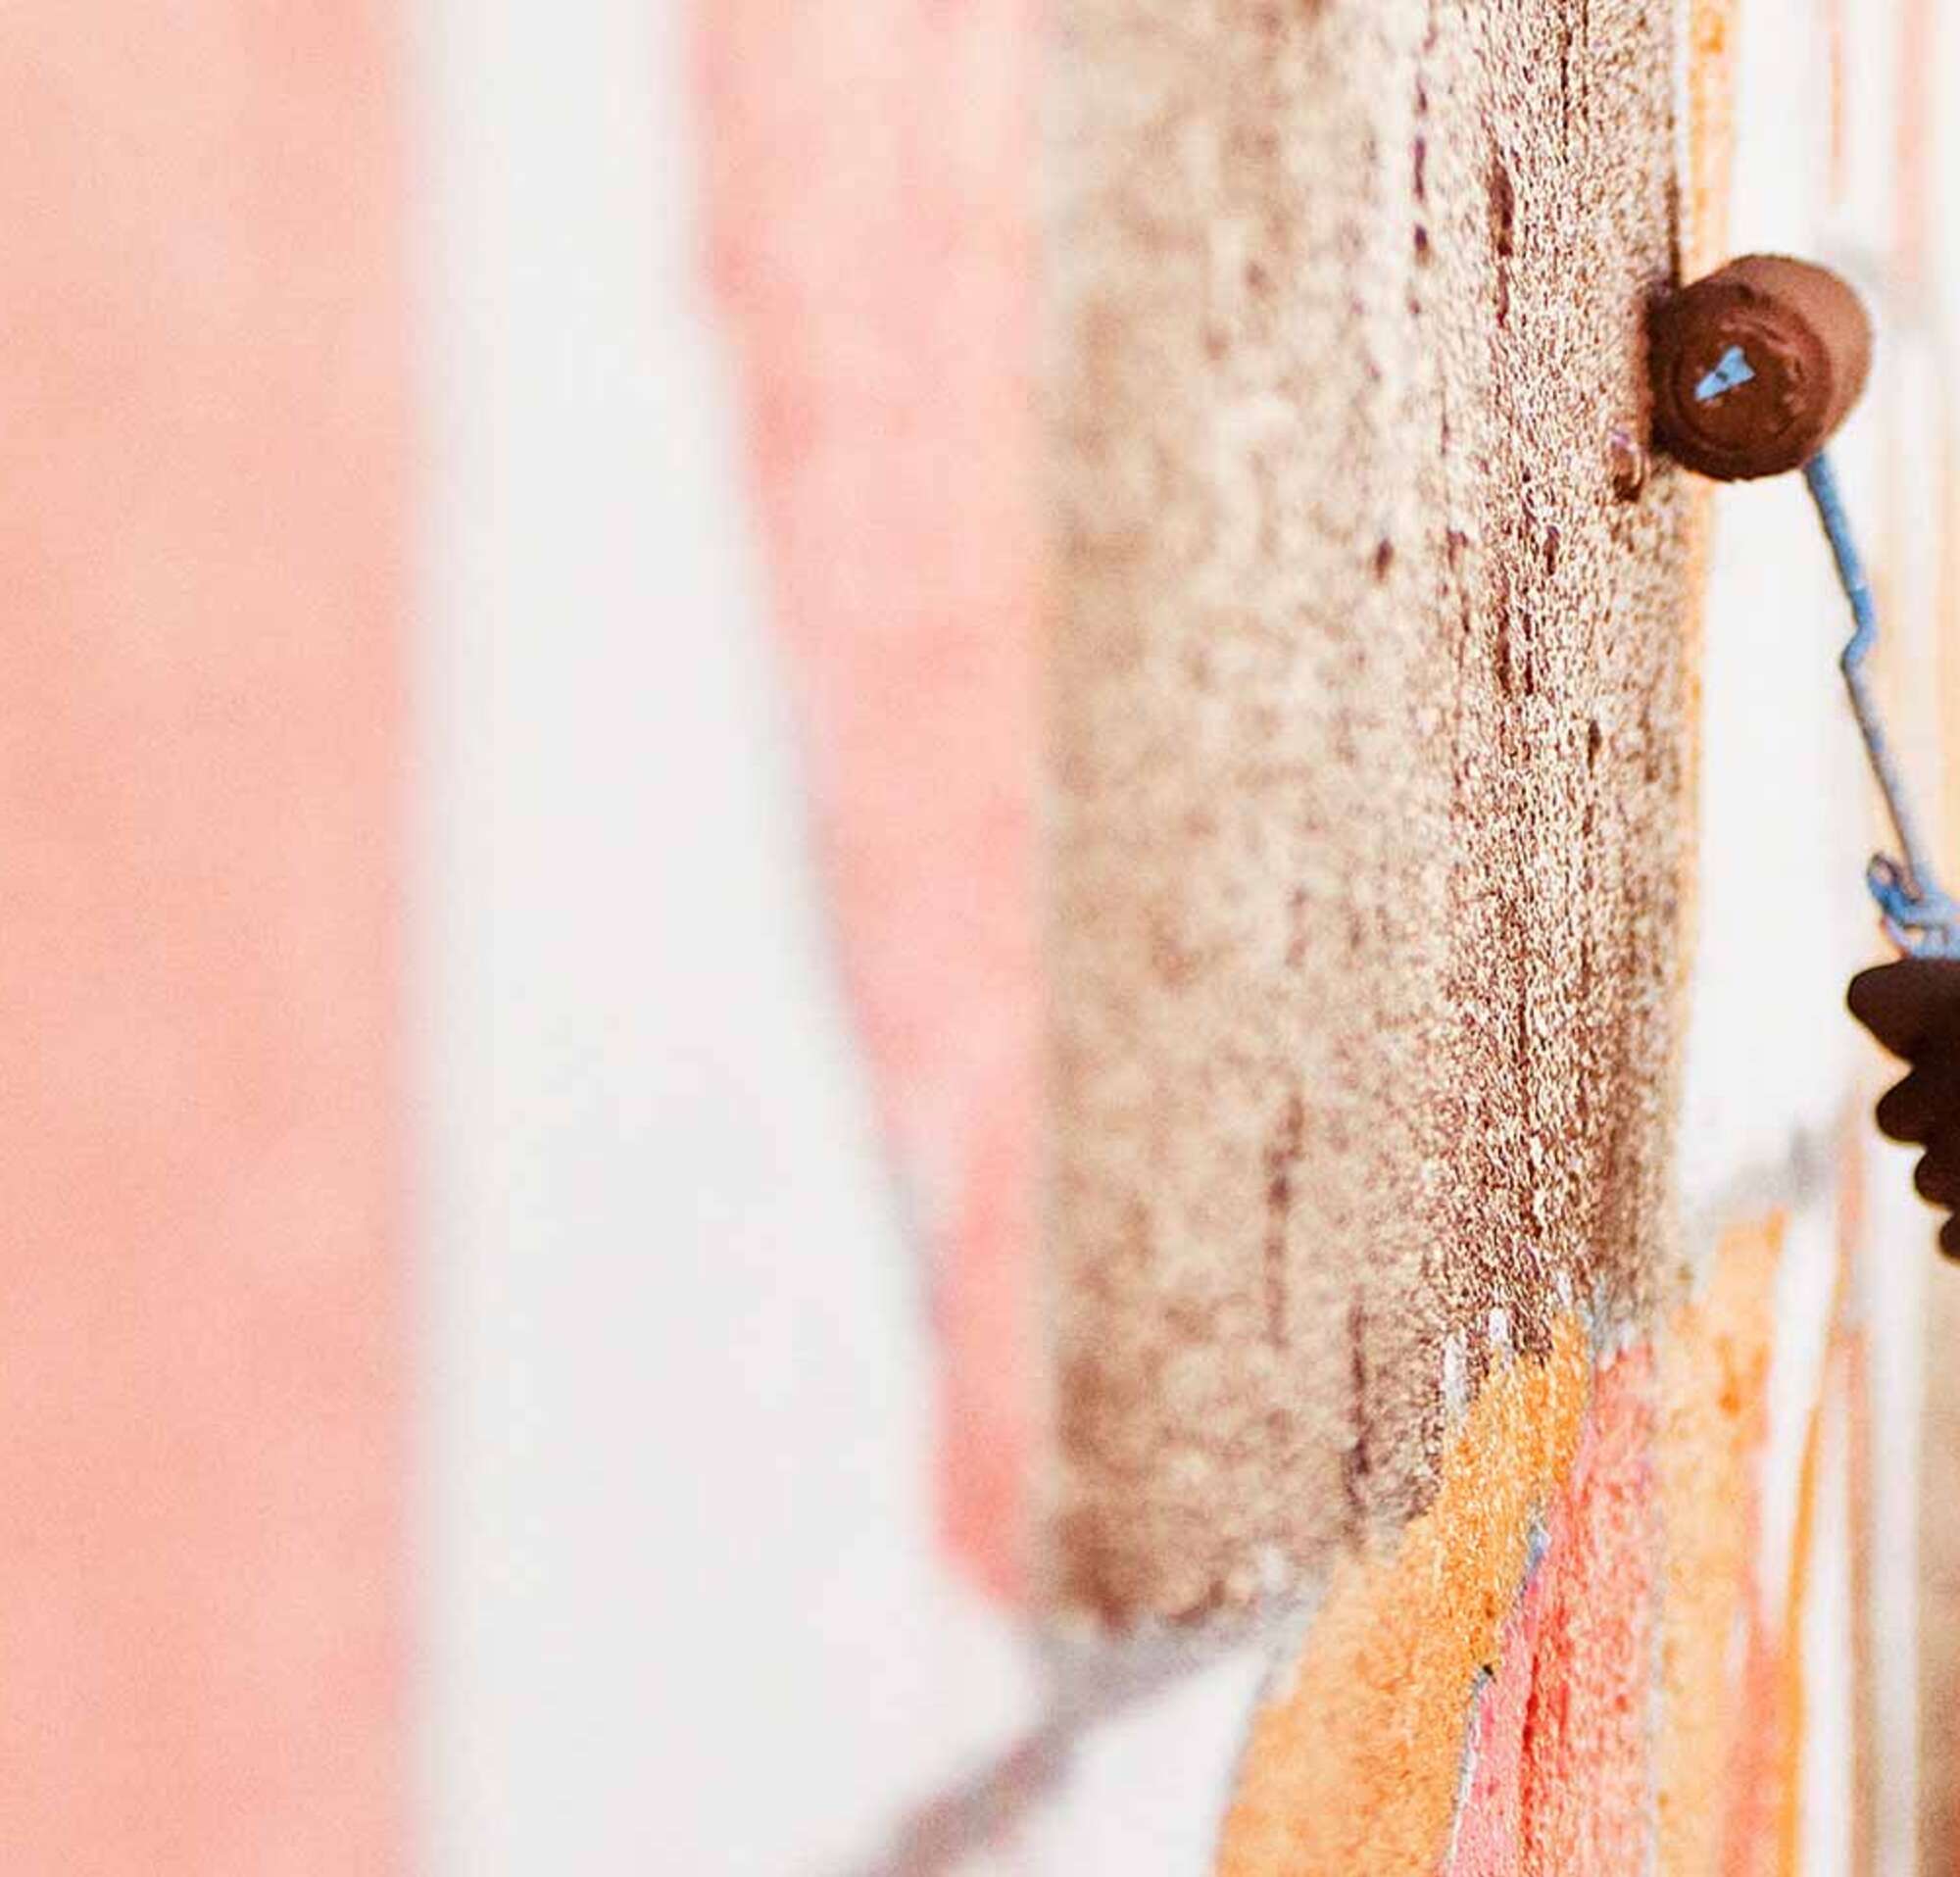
{"x":1395,"y":839}
{"x":1754,"y":367}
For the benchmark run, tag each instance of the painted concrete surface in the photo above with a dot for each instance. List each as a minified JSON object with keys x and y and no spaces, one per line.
{"x":723,"y":638}
{"x":1764,"y":1506}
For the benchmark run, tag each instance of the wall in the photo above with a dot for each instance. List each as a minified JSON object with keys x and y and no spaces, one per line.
{"x":1464,"y":1251}
{"x":1072,"y":1097}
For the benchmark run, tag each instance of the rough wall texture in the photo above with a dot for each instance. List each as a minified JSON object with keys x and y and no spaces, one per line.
{"x":1369,"y":748}
{"x":1456,"y":1236}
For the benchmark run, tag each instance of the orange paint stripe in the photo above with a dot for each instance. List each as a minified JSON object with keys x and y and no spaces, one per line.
{"x":1840,"y":164}
{"x":1857,"y":1407}
{"x":1714,"y":1368}
{"x":1791,"y":1694}
{"x":1851,"y":1352}
{"x":201,"y":525}
{"x":1704,"y":237}
{"x":1355,"y":1766}
{"x":1712,"y":26}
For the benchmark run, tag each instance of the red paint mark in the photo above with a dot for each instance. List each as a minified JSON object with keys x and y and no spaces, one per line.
{"x":1585,"y":1809}
{"x":201,"y":540}
{"x":1489,"y":1830}
{"x":1559,"y":1768}
{"x":868,"y":207}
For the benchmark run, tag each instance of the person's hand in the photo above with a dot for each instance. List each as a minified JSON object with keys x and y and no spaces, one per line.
{"x":1913,"y":1008}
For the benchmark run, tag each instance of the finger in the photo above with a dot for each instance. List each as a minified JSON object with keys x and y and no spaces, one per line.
{"x":1909,"y":1003}
{"x":1937,"y":1177}
{"x":1926,"y":1102}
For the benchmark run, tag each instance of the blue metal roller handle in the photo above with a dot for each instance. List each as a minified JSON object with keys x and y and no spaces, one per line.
{"x":1919,"y":916}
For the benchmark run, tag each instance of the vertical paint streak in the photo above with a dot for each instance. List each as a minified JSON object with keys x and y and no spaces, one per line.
{"x":1790,"y":1695}
{"x":1855,"y":1382}
{"x":1712,"y":26}
{"x":1839,"y":169}
{"x":1584,"y":1809}
{"x":867,"y":196}
{"x":1558,"y":1749}
{"x":201,"y":541}
{"x":1714,"y":1370}
{"x":1355,"y":1766}
{"x":1766,"y":1791}
{"x":1488,"y":1831}
{"x":1938,"y":1669}
{"x":1946,"y":645}
{"x":1711,"y":157}
{"x":1850,"y":1348}
{"x":1753,"y":1815}
{"x":1912,"y":184}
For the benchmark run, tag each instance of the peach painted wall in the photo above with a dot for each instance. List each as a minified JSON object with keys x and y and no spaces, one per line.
{"x":202,"y":547}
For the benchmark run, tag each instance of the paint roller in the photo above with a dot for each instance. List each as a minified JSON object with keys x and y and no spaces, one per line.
{"x":1754,"y":368}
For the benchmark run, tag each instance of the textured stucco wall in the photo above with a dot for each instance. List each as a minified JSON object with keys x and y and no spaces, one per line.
{"x":1584,"y":1491}
{"x":1370,"y":753}
{"x":1461,"y":1238}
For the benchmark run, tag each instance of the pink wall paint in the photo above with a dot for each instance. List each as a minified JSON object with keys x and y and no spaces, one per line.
{"x":201,"y":493}
{"x":1558,"y":1760}
{"x":868,"y":202}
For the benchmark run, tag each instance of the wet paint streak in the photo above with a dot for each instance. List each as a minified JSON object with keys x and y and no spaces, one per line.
{"x":1840,"y":164}
{"x":1947,"y":647}
{"x":1913,"y":187}
{"x":1762,"y":1837}
{"x":1851,"y":1355}
{"x":868,"y":184}
{"x":1357,"y":1764}
{"x":1703,"y":241}
{"x":1488,"y":1828}
{"x":1712,"y":26}
{"x":1559,"y":1756}
{"x":1856,"y":1404}
{"x":1752,"y":1822}
{"x":1482,"y":1699}
{"x":1793,"y":1690}
{"x":1584,"y":1809}
{"x":1714,"y":1367}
